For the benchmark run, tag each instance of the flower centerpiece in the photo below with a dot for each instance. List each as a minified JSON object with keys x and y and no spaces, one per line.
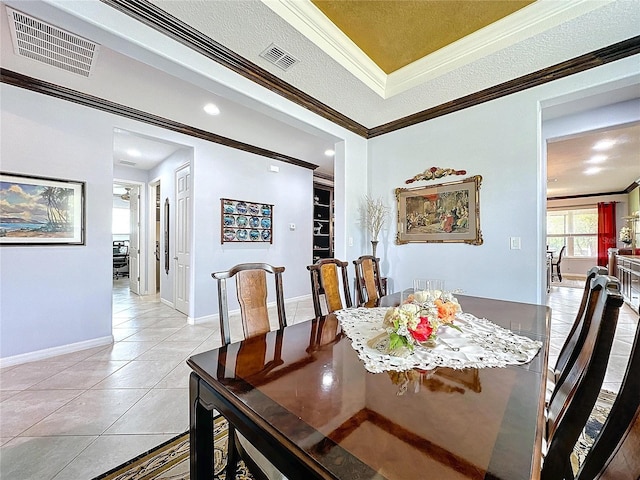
{"x":625,"y":235}
{"x":417,"y":320}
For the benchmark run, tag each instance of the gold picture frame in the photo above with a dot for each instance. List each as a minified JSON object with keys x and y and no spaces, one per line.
{"x":443,"y":213}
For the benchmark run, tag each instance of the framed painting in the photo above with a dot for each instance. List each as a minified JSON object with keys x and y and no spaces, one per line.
{"x":444,"y":213}
{"x":244,"y":221}
{"x":41,"y":211}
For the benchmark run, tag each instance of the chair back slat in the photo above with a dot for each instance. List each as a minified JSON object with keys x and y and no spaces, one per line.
{"x":251,"y":286}
{"x":331,"y":286}
{"x":574,"y":397}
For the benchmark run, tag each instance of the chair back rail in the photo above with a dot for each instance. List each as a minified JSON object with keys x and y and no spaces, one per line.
{"x":368,"y":283}
{"x":251,"y":290}
{"x":575,"y":339}
{"x":615,"y":453}
{"x":574,"y":397}
{"x":325,"y":280}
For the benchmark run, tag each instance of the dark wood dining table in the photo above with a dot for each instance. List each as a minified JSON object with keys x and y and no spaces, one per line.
{"x":303,"y":398}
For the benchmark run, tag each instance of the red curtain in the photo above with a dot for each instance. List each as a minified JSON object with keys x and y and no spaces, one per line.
{"x":606,"y":231}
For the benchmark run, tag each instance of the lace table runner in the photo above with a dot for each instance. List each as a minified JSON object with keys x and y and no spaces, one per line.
{"x":479,"y":343}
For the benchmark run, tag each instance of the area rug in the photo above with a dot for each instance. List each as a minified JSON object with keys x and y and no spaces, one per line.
{"x":592,"y":429}
{"x":170,"y":460}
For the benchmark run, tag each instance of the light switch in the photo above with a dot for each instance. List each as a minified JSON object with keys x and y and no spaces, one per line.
{"x":514,"y":243}
{"x":351,"y":241}
{"x":292,"y":226}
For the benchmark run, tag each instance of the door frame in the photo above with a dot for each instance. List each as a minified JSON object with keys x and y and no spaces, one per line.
{"x":151,"y":262}
{"x":143,"y":251}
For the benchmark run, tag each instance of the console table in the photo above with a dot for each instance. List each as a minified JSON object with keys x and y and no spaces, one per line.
{"x":628,"y":272}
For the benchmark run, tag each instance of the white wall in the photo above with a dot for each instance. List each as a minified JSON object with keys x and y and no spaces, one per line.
{"x":54,"y":298}
{"x":57,"y":295}
{"x":500,"y":140}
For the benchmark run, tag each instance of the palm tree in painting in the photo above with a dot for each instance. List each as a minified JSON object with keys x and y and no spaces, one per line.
{"x":57,"y":201}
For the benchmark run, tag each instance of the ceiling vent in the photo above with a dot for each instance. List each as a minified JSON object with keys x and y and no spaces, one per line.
{"x":279,"y":57}
{"x":128,"y":163}
{"x":35,"y":39}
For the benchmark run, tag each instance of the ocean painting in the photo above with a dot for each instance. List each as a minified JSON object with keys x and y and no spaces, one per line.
{"x":37,"y":210}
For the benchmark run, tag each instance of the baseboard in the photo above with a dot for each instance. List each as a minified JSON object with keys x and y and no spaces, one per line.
{"x":54,"y":351}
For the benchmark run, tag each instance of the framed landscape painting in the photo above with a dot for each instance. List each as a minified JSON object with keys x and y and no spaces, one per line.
{"x":444,"y":213}
{"x":41,"y":211}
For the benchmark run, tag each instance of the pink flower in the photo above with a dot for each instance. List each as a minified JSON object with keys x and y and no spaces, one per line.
{"x":423,"y":330}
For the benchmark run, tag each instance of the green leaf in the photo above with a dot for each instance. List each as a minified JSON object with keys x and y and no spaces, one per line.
{"x":455,"y":326}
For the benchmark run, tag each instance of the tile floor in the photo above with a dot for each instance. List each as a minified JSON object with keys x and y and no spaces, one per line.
{"x":78,"y":415}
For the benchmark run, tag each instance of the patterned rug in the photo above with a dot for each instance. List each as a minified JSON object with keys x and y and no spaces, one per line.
{"x":592,"y":429}
{"x":170,"y":460}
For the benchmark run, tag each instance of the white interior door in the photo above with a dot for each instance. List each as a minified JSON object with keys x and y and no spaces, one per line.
{"x":183,"y":239}
{"x":134,"y":240}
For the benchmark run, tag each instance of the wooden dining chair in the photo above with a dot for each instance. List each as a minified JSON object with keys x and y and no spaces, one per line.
{"x":574,"y":396}
{"x":325,"y":281}
{"x":251,"y":288}
{"x":615,"y":453}
{"x":575,"y":339}
{"x":555,"y":264}
{"x":368,"y":280}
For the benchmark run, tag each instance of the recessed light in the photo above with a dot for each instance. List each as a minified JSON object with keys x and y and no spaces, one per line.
{"x":212,"y":109}
{"x":592,"y":170}
{"x":604,"y":144}
{"x":597,"y":159}
{"x":132,"y":152}
{"x":329,"y":152}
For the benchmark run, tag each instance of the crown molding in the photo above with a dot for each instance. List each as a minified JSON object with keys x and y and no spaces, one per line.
{"x":29,"y":83}
{"x":158,"y":19}
{"x":534,"y":19}
{"x":309,"y":20}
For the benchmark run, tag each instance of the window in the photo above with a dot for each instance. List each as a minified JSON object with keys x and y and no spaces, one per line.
{"x":576,"y":228}
{"x":120,"y":225}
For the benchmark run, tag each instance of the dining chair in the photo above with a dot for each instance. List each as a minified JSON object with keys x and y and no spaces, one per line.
{"x":574,"y":397}
{"x":575,"y":338}
{"x":615,"y":453}
{"x":251,"y":288}
{"x":555,"y":264}
{"x":368,"y":280}
{"x":325,"y":281}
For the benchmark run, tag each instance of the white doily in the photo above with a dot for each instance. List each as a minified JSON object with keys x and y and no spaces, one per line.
{"x":479,"y":344}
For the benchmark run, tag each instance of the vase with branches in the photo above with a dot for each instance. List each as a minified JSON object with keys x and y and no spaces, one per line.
{"x":375,"y":213}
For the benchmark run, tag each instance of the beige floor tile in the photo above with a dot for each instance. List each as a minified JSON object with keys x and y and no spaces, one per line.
{"x":123,"y":351}
{"x":170,"y":350}
{"x":176,"y":378}
{"x":138,"y":374}
{"x":108,"y":452}
{"x":122,"y":333}
{"x":152,"y":334}
{"x":28,"y":407}
{"x":82,"y":375}
{"x":91,"y":413}
{"x":26,"y":458}
{"x":159,"y":411}
{"x":24,"y":376}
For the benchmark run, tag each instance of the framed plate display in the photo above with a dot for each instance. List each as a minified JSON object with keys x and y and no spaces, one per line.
{"x":244,"y":221}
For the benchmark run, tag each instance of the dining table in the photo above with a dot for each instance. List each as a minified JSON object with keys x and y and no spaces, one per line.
{"x":301,"y":395}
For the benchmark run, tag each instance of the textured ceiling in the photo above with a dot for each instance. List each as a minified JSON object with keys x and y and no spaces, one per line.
{"x":394,"y":34}
{"x":249,"y":27}
{"x":182,"y":83}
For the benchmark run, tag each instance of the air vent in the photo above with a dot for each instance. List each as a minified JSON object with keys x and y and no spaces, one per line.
{"x":279,"y":57}
{"x":35,"y":39}
{"x":128,"y":163}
